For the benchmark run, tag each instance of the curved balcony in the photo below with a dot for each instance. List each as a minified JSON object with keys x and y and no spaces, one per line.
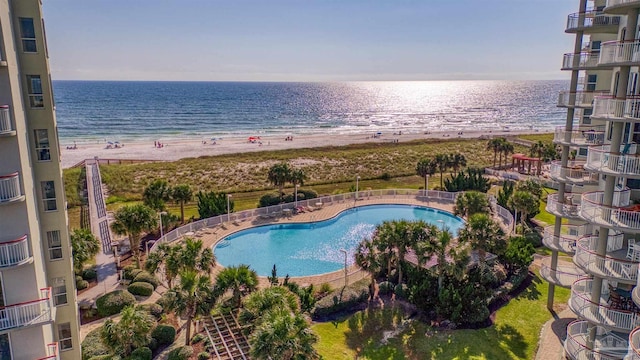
{"x":15,"y":252}
{"x":600,"y":313}
{"x":620,"y":53}
{"x":608,"y":108}
{"x":579,"y":136}
{"x":570,"y":234}
{"x":574,"y":173}
{"x":592,"y":21}
{"x":632,"y":108}
{"x":621,"y":7}
{"x":580,"y":61}
{"x":564,"y":275}
{"x":28,"y":313}
{"x":578,"y":99}
{"x":605,"y":346}
{"x":600,"y":159}
{"x":569,"y":209}
{"x":613,"y":265}
{"x":6,"y":128}
{"x":619,"y":216}
{"x":10,"y":188}
{"x":634,"y":345}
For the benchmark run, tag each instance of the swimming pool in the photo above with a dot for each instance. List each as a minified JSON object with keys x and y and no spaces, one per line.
{"x":304,"y":249}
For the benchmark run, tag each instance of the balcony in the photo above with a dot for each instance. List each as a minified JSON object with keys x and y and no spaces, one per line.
{"x":614,"y":265}
{"x":626,"y":163}
{"x":600,"y":313}
{"x":28,"y":313}
{"x":579,"y":136}
{"x":608,"y":108}
{"x":632,"y":108}
{"x":618,"y":217}
{"x":564,"y":275}
{"x":580,"y":61}
{"x":570,"y":209}
{"x":592,"y":21}
{"x":6,"y":128}
{"x":15,"y":252}
{"x":621,"y":7}
{"x":52,"y":351}
{"x":607,"y":345}
{"x":578,"y":99}
{"x":620,"y":53}
{"x":570,"y":234}
{"x":574,"y":173}
{"x":10,"y":188}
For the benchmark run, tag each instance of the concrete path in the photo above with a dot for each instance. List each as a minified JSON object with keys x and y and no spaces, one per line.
{"x":552,"y":336}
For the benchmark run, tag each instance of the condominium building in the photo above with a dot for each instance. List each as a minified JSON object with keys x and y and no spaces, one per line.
{"x":595,"y":239}
{"x":38,"y":312}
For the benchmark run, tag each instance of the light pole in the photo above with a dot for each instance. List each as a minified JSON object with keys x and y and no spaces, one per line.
{"x":426,"y":190}
{"x":345,"y":265}
{"x":146,"y":246}
{"x":357,"y":184}
{"x":228,"y":207}
{"x":296,"y":196}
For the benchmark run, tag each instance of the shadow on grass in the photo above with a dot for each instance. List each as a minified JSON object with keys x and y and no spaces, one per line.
{"x":530,"y":291}
{"x":366,"y":331}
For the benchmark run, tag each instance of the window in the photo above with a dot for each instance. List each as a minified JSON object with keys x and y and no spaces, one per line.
{"x":28,"y":35}
{"x":591,"y":82}
{"x":42,"y":144}
{"x":54,"y":244}
{"x":64,"y":336}
{"x":59,"y":291}
{"x":582,"y":152}
{"x":5,"y":347}
{"x":595,"y":45}
{"x":48,"y":195}
{"x":586,"y":116}
{"x":34,"y":87}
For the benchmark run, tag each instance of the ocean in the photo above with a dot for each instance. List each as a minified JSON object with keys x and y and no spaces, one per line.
{"x":141,"y":110}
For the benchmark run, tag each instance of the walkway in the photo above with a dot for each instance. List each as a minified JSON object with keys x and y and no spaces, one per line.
{"x":552,"y":336}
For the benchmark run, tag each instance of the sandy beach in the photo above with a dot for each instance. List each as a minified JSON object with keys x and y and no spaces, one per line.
{"x":184,"y":148}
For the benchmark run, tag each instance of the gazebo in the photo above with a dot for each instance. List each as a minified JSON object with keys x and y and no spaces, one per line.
{"x":521,"y":161}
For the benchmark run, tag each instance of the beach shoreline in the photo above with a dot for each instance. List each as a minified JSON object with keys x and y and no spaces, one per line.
{"x":74,"y":152}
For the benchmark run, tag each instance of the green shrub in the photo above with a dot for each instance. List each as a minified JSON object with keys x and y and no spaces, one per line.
{"x":197,"y":338}
{"x":130,"y":272}
{"x":105,"y":357}
{"x":92,"y":346}
{"x":204,"y":356}
{"x":147,"y":278}
{"x":342,"y":299}
{"x":82,"y":284}
{"x":111,"y":303}
{"x":90,"y":274}
{"x":385,"y":288}
{"x":153,"y":344}
{"x":154,"y":309}
{"x":401,"y":291}
{"x":181,"y":353}
{"x":143,"y":353}
{"x":140,"y":288}
{"x":164,"y":334}
{"x":269,"y":200}
{"x":307,"y":194}
{"x":78,"y":278}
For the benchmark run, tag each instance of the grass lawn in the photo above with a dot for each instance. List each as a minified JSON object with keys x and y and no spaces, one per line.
{"x":546,"y":138}
{"x":514,"y":334}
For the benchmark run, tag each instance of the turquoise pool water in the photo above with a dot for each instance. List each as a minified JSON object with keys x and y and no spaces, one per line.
{"x":314,"y":248}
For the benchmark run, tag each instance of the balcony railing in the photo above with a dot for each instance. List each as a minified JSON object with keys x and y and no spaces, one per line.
{"x":634,"y":3}
{"x":591,"y":19}
{"x":600,"y":159}
{"x":570,"y":209}
{"x":570,"y":234}
{"x":588,"y":259}
{"x":605,"y":346}
{"x":580,"y":136}
{"x":573,"y":173}
{"x":10,"y":188}
{"x":619,"y":52}
{"x":632,"y":108}
{"x":27,"y":313}
{"x":608,"y":108}
{"x":565,"y":274}
{"x":14,"y":252}
{"x":600,"y":313}
{"x":585,"y":60}
{"x":52,"y":350}
{"x":583,"y":99}
{"x":5,"y":120}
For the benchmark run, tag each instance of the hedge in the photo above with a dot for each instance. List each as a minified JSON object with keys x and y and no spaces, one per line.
{"x":204,"y":356}
{"x":181,"y":353}
{"x":164,"y":334}
{"x":92,"y":346}
{"x":140,"y":288}
{"x":154,"y":309}
{"x":342,"y":299}
{"x":144,"y":276}
{"x":104,"y":357}
{"x":89,"y":274}
{"x":113,"y":302}
{"x":82,"y":284}
{"x":143,"y":353}
{"x":130,"y":272}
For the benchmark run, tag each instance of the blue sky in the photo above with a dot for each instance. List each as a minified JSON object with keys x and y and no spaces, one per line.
{"x":307,"y":40}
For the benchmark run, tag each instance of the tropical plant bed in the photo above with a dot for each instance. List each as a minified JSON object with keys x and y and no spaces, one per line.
{"x":88,"y":316}
{"x":91,"y":283}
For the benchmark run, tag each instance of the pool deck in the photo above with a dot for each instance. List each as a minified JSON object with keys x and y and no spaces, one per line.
{"x":210,"y":236}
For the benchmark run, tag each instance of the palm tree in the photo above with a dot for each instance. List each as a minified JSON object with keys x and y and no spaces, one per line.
{"x":439,"y":243}
{"x":506,"y":148}
{"x":471,"y":202}
{"x":85,"y":246}
{"x":194,"y":257}
{"x":456,"y":161}
{"x":483,"y":234}
{"x":132,"y":220}
{"x":193,"y":297}
{"x":298,"y":177}
{"x":275,"y":298}
{"x":442,"y":164}
{"x":167,"y":257}
{"x":368,"y":260}
{"x":182,"y":194}
{"x":157,"y":194}
{"x":282,"y":335}
{"x":132,"y":331}
{"x":395,"y":238}
{"x":241,"y":280}
{"x":524,"y":202}
{"x":425,"y":167}
{"x":495,"y":144}
{"x":279,"y":175}
{"x":537,"y":149}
